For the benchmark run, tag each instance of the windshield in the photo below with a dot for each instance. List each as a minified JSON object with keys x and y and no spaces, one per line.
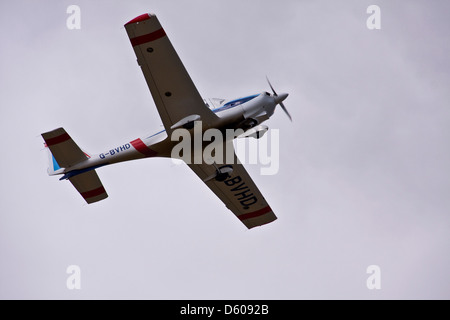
{"x":239,"y":101}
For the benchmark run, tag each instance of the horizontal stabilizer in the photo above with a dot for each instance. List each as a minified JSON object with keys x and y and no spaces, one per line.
{"x":89,"y":186}
{"x":65,"y":153}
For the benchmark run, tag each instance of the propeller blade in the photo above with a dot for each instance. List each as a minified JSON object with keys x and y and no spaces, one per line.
{"x":285,"y":110}
{"x":283,"y":96}
{"x":273,"y":90}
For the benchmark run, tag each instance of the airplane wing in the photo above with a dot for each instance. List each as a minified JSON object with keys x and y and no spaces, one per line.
{"x":173,"y":91}
{"x":238,"y":192}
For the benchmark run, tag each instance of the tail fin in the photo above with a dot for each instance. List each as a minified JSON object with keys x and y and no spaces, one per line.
{"x":53,"y":165}
{"x":64,"y":153}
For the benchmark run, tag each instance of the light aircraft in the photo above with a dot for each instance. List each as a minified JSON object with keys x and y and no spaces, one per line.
{"x":181,"y":107}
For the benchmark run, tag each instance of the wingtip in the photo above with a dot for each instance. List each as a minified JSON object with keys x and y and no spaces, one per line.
{"x":140,"y":18}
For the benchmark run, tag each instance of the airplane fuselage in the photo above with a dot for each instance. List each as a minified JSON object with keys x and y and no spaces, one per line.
{"x":243,"y":113}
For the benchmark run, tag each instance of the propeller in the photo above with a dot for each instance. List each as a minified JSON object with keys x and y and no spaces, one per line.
{"x":279,"y":99}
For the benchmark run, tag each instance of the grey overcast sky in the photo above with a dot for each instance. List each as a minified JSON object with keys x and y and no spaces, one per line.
{"x":364,"y":173}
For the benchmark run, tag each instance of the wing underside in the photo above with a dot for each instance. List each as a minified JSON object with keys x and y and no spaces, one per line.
{"x":238,"y":192}
{"x":173,"y":91}
{"x":178,"y":100}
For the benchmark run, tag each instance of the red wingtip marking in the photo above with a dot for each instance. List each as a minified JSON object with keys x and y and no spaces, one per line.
{"x":254,"y":214}
{"x":140,"y":18}
{"x":58,"y":139}
{"x":93,"y":193}
{"x":148,"y":37}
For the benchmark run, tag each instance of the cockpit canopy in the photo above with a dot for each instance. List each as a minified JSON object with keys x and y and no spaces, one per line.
{"x":222,"y":104}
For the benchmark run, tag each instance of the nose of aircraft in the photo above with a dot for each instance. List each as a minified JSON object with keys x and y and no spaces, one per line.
{"x":281,"y":97}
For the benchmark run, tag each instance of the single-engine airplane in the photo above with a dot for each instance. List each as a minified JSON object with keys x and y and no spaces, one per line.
{"x":181,"y":107}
